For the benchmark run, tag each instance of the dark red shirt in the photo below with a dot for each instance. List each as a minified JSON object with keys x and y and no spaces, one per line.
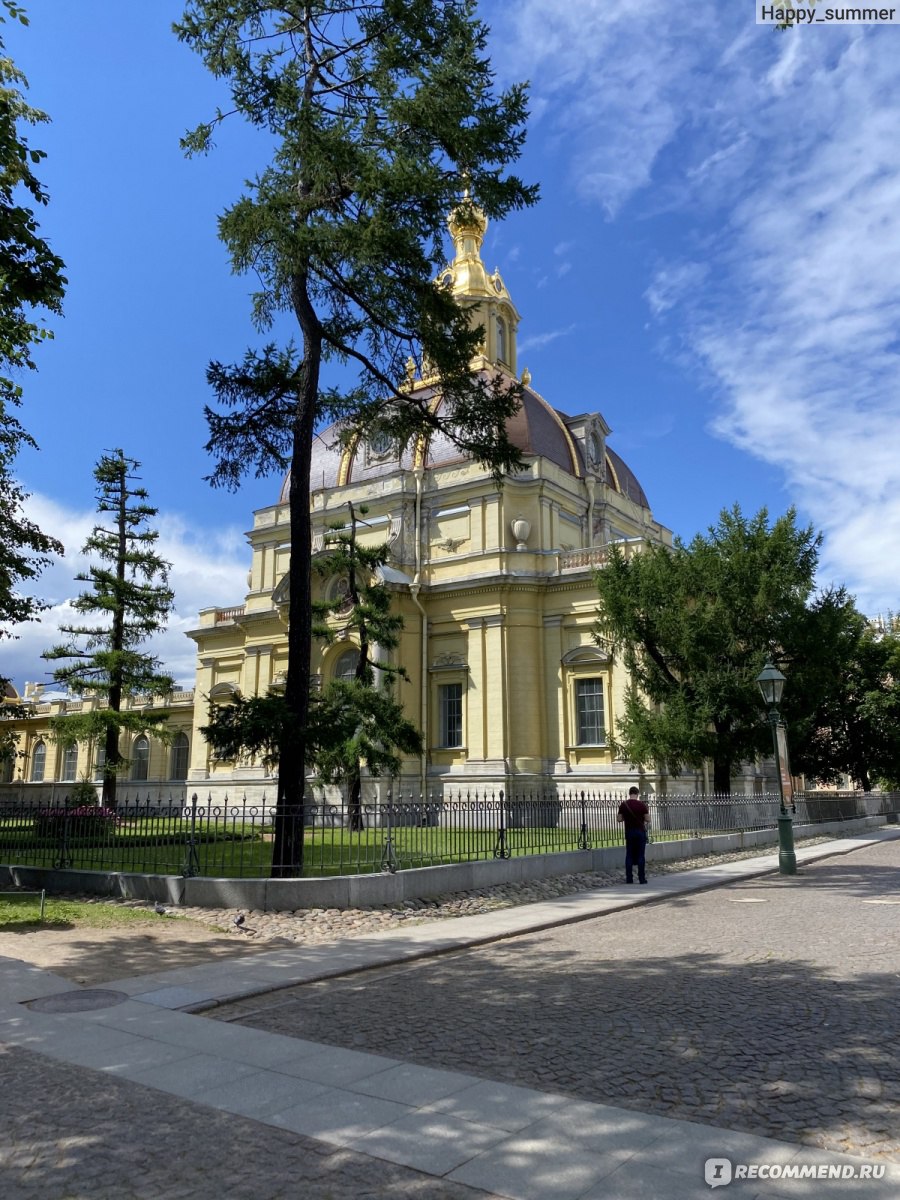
{"x":634,"y":813}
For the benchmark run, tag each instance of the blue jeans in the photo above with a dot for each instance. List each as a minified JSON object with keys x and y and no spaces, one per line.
{"x":635,"y":845}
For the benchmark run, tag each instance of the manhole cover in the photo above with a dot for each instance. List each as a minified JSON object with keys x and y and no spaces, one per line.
{"x":83,"y":1001}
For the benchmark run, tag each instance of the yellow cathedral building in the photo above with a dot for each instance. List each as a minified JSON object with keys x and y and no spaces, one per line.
{"x":495,"y":586}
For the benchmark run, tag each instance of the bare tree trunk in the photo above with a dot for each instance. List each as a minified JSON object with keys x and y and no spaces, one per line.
{"x":722,"y":776}
{"x":287,"y":851}
{"x":354,"y":802}
{"x":117,"y":642}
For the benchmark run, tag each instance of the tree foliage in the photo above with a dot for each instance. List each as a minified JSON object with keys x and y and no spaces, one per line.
{"x":127,"y":602}
{"x":694,"y":626}
{"x":359,"y":722}
{"x":854,"y":727}
{"x":31,"y":282}
{"x":354,"y":723}
{"x":381,"y":113}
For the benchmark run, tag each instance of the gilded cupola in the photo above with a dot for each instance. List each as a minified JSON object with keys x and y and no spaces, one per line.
{"x":484,"y":294}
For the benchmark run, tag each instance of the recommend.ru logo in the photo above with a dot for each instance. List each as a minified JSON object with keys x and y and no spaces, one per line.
{"x":717,"y":1171}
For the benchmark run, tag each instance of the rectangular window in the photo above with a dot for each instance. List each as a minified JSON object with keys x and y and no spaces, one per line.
{"x":589,"y":712}
{"x":38,"y":762}
{"x":69,"y":763}
{"x":451,"y":715}
{"x":180,"y":753}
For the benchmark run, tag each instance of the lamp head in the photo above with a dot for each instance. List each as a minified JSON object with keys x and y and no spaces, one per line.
{"x":771,"y":684}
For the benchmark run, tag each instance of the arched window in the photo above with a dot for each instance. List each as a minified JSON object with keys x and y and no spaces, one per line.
{"x":38,"y":762}
{"x":140,"y":759}
{"x":178,"y":767}
{"x":345,"y":666}
{"x":501,"y":341}
{"x":337,"y":592}
{"x":69,"y":762}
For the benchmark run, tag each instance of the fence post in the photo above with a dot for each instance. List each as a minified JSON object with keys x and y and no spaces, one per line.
{"x":583,"y":841}
{"x":388,"y":857}
{"x":501,"y":850}
{"x":191,"y":858}
{"x":65,"y":859}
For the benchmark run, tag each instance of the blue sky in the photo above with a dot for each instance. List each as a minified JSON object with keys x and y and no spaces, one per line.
{"x":714,"y":265}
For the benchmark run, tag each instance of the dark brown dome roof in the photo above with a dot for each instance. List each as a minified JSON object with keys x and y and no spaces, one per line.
{"x":537,"y":430}
{"x":621,"y":477}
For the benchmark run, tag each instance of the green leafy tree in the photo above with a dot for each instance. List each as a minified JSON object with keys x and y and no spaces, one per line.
{"x":353,"y":723}
{"x":855,"y":725}
{"x":694,"y":626}
{"x":31,"y":281}
{"x":128,"y":600}
{"x":380,"y":113}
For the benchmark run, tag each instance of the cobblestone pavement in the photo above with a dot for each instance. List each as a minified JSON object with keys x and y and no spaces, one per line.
{"x":71,"y":1134}
{"x":768,"y":1006}
{"x":312,"y":925}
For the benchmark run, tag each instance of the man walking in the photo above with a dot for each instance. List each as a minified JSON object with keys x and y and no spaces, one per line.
{"x":634,"y":814}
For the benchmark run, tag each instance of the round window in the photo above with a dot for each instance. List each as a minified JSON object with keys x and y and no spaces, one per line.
{"x":381,"y":443}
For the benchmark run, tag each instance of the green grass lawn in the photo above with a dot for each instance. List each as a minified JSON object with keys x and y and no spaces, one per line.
{"x":22,"y":912}
{"x":244,"y":850}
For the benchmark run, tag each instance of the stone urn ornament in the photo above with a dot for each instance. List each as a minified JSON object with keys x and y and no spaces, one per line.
{"x":520,"y":531}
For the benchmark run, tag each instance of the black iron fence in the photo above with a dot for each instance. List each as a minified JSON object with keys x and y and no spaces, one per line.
{"x":238,"y":839}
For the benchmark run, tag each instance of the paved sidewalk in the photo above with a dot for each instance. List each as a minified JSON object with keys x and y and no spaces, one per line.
{"x":346,"y":1123}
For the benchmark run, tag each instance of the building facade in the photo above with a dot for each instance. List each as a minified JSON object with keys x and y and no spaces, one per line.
{"x":495,"y":585}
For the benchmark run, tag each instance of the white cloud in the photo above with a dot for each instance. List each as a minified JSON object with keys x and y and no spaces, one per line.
{"x":611,"y":79}
{"x":539,"y":340}
{"x":672,"y":283}
{"x":808,"y":353}
{"x":209,"y":567}
{"x":778,"y":153}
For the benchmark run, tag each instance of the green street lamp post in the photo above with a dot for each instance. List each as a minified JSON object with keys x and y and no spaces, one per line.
{"x":771,"y":684}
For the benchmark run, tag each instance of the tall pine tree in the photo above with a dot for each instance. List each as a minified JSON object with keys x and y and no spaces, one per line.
{"x":359,"y":722}
{"x":356,"y":722}
{"x":382,"y":114}
{"x":129,"y":597}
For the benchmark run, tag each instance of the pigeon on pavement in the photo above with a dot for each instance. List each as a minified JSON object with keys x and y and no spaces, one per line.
{"x":239,"y":920}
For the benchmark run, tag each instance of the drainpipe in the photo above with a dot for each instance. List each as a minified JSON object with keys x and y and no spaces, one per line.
{"x":415,"y":587}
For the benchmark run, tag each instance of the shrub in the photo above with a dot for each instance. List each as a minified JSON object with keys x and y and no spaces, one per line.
{"x":87,"y":821}
{"x":83,"y":795}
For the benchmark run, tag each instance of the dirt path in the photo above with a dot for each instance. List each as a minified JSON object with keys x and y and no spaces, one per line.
{"x":89,"y":955}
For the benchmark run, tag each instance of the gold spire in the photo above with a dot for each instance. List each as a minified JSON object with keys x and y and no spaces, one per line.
{"x":486,"y":295}
{"x":468,"y":225}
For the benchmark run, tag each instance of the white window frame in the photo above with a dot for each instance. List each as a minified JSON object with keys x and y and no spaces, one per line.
{"x":140,"y":763}
{"x":68,"y":767}
{"x":586,"y":723}
{"x":444,"y":699}
{"x":38,"y":761}
{"x":583,"y":663}
{"x":181,"y":749}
